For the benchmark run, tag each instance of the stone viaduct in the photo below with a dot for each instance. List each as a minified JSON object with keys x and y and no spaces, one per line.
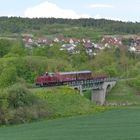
{"x":99,"y":88}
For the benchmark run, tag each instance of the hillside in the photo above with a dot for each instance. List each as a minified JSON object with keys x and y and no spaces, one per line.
{"x":30,"y":47}
{"x":56,"y":26}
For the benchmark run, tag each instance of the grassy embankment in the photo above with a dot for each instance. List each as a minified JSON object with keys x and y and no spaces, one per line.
{"x":123,"y":94}
{"x":64,"y":101}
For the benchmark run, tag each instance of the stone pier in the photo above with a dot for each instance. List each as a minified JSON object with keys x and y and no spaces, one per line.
{"x":98,"y":95}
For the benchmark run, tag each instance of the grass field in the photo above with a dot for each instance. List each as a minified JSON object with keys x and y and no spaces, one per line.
{"x":118,"y":124}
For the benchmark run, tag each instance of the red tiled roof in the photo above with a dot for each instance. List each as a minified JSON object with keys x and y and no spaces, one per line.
{"x":137,"y":48}
{"x":111,"y":40}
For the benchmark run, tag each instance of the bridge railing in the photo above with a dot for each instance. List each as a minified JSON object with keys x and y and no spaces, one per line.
{"x":111,"y":79}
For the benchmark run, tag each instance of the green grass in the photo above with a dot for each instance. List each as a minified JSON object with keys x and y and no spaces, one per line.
{"x":118,"y":124}
{"x":64,"y":101}
{"x":123,"y":93}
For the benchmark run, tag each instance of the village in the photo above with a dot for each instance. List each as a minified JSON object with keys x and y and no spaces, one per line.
{"x":132,"y":43}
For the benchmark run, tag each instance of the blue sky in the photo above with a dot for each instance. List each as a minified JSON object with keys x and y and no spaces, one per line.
{"x":125,"y":10}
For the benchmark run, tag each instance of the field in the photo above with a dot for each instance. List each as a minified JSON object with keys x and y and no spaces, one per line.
{"x":118,"y":124}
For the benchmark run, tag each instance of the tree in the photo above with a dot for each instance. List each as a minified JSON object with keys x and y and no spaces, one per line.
{"x":4,"y":47}
{"x":18,"y":48}
{"x":8,"y":76}
{"x":103,"y":59}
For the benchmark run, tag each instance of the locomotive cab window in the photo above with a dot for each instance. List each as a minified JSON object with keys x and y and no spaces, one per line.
{"x":51,"y":74}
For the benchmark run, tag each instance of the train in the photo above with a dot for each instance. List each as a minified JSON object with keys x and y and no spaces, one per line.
{"x":61,"y":78}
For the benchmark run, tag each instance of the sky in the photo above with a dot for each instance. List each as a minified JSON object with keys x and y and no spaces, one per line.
{"x":124,"y":10}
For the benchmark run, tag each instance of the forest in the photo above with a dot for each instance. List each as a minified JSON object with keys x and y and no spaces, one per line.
{"x":18,"y":24}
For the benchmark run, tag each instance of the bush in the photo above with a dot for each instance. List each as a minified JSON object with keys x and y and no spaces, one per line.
{"x":3,"y":101}
{"x":111,"y":71}
{"x":8,"y":76}
{"x":19,"y":105}
{"x":19,"y":96}
{"x":27,"y":114}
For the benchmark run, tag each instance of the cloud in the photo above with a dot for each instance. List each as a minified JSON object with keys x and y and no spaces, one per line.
{"x":100,"y":6}
{"x":48,"y":9}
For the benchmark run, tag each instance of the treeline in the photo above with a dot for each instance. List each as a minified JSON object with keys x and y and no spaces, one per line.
{"x":18,"y":24}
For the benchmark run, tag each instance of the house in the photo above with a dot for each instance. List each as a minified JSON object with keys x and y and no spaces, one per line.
{"x":89,"y":46}
{"x":44,"y":41}
{"x":98,"y":47}
{"x":71,"y":41}
{"x":135,"y":49}
{"x":29,"y":42}
{"x":69,"y":47}
{"x":76,"y":41}
{"x":86,"y":40}
{"x":56,"y":40}
{"x":59,"y":38}
{"x":132,"y":49}
{"x":111,"y":41}
{"x":136,"y":40}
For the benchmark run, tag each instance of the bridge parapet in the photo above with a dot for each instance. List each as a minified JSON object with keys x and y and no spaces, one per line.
{"x":90,"y":84}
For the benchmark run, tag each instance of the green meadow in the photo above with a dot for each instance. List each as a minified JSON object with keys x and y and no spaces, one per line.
{"x":117,"y":124}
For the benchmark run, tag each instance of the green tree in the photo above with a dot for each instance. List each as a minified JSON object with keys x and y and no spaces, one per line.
{"x":18,"y":48}
{"x":4,"y":47}
{"x":103,"y":59}
{"x":19,"y":96}
{"x":8,"y":76}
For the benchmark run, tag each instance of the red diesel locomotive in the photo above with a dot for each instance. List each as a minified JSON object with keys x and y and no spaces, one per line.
{"x":61,"y":78}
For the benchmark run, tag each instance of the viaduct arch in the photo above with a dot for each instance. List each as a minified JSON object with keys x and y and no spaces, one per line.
{"x":98,"y":95}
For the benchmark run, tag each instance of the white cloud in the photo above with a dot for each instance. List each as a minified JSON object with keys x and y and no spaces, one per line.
{"x":48,"y":9}
{"x":100,"y":6}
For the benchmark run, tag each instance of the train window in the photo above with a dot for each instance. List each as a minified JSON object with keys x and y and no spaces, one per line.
{"x":51,"y":74}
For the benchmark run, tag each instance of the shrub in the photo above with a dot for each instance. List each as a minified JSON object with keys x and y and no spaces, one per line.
{"x":8,"y":76}
{"x":19,"y":105}
{"x":19,"y":96}
{"x":27,"y":114}
{"x":111,"y":71}
{"x":3,"y":101}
